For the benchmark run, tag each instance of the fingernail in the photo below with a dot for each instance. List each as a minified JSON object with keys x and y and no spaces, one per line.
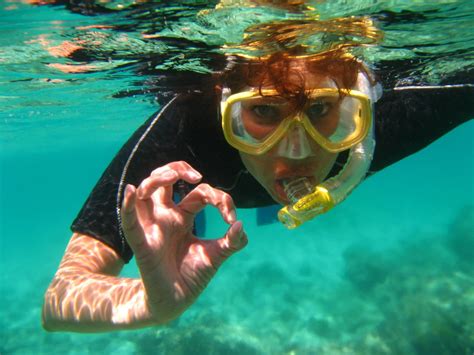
{"x":128,"y":189}
{"x":194,"y":175}
{"x":237,"y":228}
{"x":232,"y":216}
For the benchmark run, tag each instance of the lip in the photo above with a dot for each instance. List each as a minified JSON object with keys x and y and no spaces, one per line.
{"x":291,"y":171}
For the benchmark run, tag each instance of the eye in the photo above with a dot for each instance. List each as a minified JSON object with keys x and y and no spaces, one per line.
{"x":318,"y":109}
{"x":267,"y":112}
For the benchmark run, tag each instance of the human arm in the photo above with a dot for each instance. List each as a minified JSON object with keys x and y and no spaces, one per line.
{"x":87,"y":295}
{"x":175,"y":266}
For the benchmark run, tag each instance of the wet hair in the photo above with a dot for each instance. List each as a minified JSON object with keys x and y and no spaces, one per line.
{"x":280,"y":54}
{"x":287,"y":74}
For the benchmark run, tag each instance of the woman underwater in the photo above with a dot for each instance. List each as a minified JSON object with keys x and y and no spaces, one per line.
{"x":290,"y":125}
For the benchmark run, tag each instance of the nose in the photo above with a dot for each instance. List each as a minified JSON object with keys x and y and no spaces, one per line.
{"x":295,"y":144}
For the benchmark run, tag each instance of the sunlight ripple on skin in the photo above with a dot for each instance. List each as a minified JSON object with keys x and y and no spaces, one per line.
{"x":67,"y":296}
{"x":200,"y":255}
{"x":121,"y":313}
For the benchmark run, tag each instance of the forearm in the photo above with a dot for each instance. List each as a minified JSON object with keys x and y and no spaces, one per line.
{"x":89,"y":302}
{"x":87,"y":295}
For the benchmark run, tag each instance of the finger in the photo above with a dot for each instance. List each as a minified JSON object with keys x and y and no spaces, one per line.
{"x":165,"y":177}
{"x":185,"y":171}
{"x":234,"y":240}
{"x":204,"y":195}
{"x":130,"y":224}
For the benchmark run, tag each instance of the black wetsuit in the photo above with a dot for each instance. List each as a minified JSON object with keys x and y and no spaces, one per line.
{"x":188,"y":128}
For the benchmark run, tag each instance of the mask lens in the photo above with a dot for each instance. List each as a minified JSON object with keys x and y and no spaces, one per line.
{"x":255,"y":119}
{"x":335,"y":118}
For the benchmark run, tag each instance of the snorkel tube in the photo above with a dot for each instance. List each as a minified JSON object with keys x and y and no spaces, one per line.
{"x":308,"y":202}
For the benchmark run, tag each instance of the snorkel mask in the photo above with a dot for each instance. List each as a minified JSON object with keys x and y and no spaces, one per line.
{"x":256,"y":120}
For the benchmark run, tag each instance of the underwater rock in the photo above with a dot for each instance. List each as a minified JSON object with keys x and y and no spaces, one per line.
{"x":267,"y":274}
{"x":364,"y":269}
{"x":422,"y":290}
{"x":323,"y":327}
{"x":460,"y":237}
{"x":202,"y":333}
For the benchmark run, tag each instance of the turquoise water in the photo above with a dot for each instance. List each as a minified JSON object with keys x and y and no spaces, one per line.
{"x":389,"y":271}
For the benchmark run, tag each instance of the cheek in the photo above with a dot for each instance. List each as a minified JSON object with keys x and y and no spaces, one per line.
{"x":327,"y":163}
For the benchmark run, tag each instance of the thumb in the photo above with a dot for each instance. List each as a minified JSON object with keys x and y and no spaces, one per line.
{"x":234,"y":240}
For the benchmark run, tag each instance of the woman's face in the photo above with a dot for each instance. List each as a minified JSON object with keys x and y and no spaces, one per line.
{"x":296,"y":155}
{"x":270,"y":169}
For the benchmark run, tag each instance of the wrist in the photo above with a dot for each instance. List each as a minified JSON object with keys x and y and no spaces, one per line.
{"x":160,"y":312}
{"x":133,"y":308}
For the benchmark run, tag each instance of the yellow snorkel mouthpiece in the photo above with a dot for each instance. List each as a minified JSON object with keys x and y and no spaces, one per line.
{"x":305,"y":208}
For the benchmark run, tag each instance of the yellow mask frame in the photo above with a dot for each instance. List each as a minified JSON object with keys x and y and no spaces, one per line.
{"x":362,"y":128}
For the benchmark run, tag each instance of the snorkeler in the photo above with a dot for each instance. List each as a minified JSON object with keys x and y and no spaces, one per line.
{"x":289,"y":127}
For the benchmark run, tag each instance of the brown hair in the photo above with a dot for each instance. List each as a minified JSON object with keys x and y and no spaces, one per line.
{"x":287,"y":74}
{"x":280,"y":54}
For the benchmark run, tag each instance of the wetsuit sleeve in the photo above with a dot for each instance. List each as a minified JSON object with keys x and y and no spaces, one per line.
{"x":410,"y":119}
{"x":154,"y":144}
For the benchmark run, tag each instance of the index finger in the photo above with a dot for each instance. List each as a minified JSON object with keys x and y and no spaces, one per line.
{"x":204,"y":195}
{"x":181,"y":167}
{"x":165,"y":177}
